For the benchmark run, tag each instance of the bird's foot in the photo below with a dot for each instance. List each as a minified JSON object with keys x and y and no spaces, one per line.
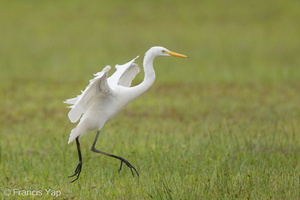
{"x":77,"y":172}
{"x":132,"y":168}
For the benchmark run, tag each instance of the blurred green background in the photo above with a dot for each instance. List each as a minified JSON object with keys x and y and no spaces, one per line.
{"x":239,"y":90}
{"x":226,"y":40}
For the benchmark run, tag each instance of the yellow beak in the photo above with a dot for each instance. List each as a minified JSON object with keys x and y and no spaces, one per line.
{"x":176,"y":54}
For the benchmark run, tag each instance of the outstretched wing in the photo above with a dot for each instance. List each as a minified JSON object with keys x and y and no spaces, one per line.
{"x":124,"y":74}
{"x":98,"y":85}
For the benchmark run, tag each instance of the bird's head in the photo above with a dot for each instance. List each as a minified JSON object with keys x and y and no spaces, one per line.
{"x":162,"y":51}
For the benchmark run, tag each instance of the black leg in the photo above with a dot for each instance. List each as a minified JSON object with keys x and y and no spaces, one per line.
{"x":114,"y":156}
{"x":79,"y":166}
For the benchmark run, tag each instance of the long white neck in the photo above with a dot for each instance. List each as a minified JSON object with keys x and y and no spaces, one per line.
{"x":149,"y":77}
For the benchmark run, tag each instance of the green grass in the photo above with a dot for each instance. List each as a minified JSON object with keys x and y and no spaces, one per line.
{"x":223,"y":124}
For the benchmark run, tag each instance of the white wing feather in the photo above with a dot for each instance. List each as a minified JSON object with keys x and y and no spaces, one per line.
{"x":123,"y":76}
{"x":80,"y":103}
{"x":125,"y":73}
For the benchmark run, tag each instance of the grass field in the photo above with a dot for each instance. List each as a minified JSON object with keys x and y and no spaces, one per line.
{"x":223,"y":124}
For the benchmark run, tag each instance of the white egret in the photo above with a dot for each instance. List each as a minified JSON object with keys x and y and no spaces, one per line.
{"x":104,"y":97}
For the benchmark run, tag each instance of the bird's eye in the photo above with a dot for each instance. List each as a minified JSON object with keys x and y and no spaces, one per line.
{"x":164,"y":51}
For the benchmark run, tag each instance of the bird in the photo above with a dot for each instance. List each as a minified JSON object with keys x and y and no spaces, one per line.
{"x":105,"y":96}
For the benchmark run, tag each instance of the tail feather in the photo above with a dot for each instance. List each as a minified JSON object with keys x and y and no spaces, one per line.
{"x":82,"y":128}
{"x":73,"y":135}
